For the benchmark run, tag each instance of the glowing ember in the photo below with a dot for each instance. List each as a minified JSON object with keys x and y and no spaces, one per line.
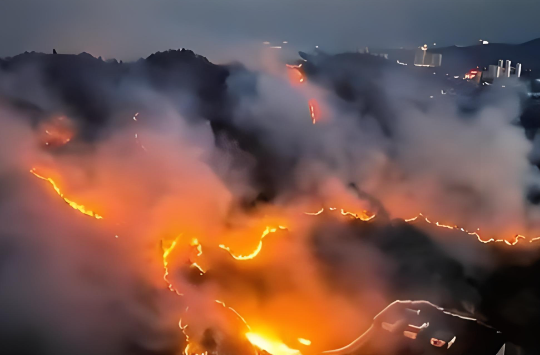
{"x":135,"y":116}
{"x":73,"y":204}
{"x":201,"y":271}
{"x":167,"y":249}
{"x":305,"y":342}
{"x":57,"y":131}
{"x":195,"y":243}
{"x":267,"y":231}
{"x":315,"y":213}
{"x":314,"y":110}
{"x":295,"y":74}
{"x":273,"y":347}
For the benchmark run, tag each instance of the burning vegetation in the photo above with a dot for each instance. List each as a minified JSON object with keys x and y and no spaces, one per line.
{"x":227,"y":216}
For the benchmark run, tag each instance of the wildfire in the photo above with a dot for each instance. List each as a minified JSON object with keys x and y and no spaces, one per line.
{"x":189,"y":345}
{"x":267,"y":343}
{"x":267,"y":231}
{"x":273,"y":347}
{"x":295,"y":73}
{"x":261,"y":340}
{"x":314,"y":110}
{"x":296,"y":76}
{"x":364,"y":215}
{"x":515,"y":240}
{"x":195,"y":243}
{"x":167,"y":249}
{"x":235,"y":312}
{"x":73,"y":204}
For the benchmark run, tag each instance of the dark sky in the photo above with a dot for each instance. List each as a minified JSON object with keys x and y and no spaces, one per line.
{"x":127,"y":29}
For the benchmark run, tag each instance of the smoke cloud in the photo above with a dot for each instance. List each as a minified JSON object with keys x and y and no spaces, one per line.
{"x":207,"y":171}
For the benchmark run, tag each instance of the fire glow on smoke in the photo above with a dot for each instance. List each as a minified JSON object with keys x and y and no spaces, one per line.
{"x":199,"y":237}
{"x":269,"y":344}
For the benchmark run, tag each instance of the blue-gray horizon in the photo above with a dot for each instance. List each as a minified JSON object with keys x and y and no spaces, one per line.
{"x":132,"y":29}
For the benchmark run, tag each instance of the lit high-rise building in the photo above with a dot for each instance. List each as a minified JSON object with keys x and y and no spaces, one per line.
{"x":518,"y":70}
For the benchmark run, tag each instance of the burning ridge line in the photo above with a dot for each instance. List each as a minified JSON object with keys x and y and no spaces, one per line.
{"x":274,"y":347}
{"x":365,"y":216}
{"x":517,"y":237}
{"x":300,"y":79}
{"x":71,"y":203}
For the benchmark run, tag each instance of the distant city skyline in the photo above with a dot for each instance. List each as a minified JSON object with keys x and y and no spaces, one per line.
{"x":128,"y":29}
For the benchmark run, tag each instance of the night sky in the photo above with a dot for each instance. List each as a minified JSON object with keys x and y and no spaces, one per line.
{"x":128,"y":29}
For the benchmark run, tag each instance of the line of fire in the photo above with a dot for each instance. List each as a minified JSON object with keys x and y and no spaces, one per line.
{"x":348,"y":204}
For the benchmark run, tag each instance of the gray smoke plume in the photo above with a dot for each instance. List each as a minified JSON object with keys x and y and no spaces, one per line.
{"x":177,"y":153}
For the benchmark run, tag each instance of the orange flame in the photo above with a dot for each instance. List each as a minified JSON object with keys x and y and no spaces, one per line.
{"x":314,"y":110}
{"x":366,"y":216}
{"x":295,"y":74}
{"x":271,"y":346}
{"x":269,"y":343}
{"x":262,"y":342}
{"x":189,"y":345}
{"x":315,"y":213}
{"x":166,"y":252}
{"x":195,"y":265}
{"x":235,"y":312}
{"x":305,"y":342}
{"x":195,"y":243}
{"x":267,"y":231}
{"x":514,"y":241}
{"x":73,"y":204}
